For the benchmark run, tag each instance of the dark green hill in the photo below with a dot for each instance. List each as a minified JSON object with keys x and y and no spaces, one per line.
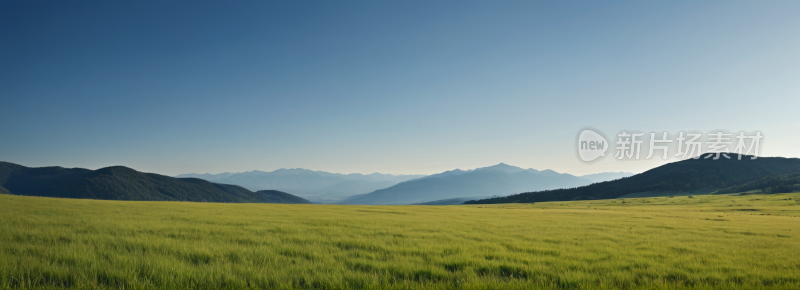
{"x":117,"y":183}
{"x":274,"y":196}
{"x":725,"y":175}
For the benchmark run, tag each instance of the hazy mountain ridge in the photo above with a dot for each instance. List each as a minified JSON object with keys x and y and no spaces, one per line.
{"x":121,"y":183}
{"x":771,"y":174}
{"x":319,"y":186}
{"x":293,"y":171}
{"x":500,"y":179}
{"x":205,"y":176}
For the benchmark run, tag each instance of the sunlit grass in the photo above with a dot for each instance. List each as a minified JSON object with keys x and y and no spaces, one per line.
{"x":715,"y":242}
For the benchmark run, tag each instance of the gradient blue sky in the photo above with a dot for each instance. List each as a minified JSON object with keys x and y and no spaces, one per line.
{"x":389,"y":86}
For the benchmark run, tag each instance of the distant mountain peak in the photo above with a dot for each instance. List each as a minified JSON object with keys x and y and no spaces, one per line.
{"x":504,"y":167}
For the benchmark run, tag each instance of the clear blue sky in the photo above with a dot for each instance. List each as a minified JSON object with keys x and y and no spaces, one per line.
{"x":390,"y":86}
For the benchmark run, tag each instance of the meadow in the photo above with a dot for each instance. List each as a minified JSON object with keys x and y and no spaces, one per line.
{"x":681,"y":242}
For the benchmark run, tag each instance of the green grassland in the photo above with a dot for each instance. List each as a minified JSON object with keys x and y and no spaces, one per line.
{"x":698,"y":242}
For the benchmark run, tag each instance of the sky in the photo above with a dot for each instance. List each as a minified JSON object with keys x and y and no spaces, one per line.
{"x":400,"y":87}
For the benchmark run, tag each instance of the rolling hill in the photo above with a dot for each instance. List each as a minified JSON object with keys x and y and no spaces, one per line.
{"x":122,"y":183}
{"x":500,"y":179}
{"x":771,"y":174}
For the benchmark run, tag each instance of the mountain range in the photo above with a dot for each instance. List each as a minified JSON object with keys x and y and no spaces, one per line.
{"x":764,"y":174}
{"x":377,"y":188}
{"x":317,"y":186}
{"x":122,"y":183}
{"x":498,"y":180}
{"x":500,"y":183}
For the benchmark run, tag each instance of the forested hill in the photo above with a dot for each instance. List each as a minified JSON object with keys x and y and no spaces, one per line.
{"x":122,"y":183}
{"x":726,"y":175}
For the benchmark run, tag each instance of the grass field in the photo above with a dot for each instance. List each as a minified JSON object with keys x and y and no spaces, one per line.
{"x":702,"y":242}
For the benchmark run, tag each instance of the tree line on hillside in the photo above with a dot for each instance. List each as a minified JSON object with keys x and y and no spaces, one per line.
{"x":770,"y":184}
